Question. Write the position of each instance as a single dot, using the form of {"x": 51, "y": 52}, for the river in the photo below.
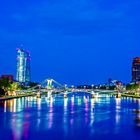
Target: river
{"x": 77, "y": 117}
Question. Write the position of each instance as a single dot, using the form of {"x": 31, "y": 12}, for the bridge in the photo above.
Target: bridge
{"x": 50, "y": 86}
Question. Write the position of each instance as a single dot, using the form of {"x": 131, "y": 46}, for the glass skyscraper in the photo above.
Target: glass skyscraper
{"x": 23, "y": 66}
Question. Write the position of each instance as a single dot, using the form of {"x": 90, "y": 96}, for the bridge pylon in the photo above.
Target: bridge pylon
{"x": 49, "y": 84}
{"x": 93, "y": 95}
{"x": 65, "y": 94}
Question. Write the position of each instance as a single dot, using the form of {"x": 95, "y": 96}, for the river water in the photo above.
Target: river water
{"x": 77, "y": 117}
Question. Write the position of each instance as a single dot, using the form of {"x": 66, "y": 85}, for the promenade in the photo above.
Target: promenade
{"x": 13, "y": 97}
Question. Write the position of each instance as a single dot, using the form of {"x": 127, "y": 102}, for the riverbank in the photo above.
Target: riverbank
{"x": 3, "y": 98}
{"x": 19, "y": 96}
{"x": 130, "y": 95}
{"x": 13, "y": 97}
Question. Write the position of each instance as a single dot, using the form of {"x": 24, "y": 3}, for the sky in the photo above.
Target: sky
{"x": 71, "y": 41}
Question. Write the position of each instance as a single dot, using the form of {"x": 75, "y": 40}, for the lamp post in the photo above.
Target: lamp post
{"x": 92, "y": 86}
{"x": 72, "y": 86}
{"x": 65, "y": 86}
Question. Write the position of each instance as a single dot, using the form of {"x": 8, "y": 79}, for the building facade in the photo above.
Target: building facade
{"x": 23, "y": 66}
{"x": 136, "y": 69}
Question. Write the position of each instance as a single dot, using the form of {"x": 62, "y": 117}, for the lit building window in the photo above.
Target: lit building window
{"x": 23, "y": 66}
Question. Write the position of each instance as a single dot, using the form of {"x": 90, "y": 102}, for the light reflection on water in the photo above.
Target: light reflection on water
{"x": 72, "y": 117}
{"x": 118, "y": 107}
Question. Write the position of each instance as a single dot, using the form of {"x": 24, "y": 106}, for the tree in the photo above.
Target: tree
{"x": 33, "y": 84}
{"x": 5, "y": 84}
{"x": 9, "y": 87}
{"x": 2, "y": 92}
{"x": 132, "y": 86}
{"x": 13, "y": 87}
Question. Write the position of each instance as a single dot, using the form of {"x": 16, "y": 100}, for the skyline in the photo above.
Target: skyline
{"x": 74, "y": 42}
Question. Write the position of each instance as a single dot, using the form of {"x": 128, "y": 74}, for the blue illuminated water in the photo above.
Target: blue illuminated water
{"x": 75, "y": 118}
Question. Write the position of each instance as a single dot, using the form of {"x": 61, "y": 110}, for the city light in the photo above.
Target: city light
{"x": 85, "y": 70}
{"x": 23, "y": 66}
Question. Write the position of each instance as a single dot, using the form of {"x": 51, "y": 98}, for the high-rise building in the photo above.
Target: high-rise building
{"x": 23, "y": 66}
{"x": 136, "y": 69}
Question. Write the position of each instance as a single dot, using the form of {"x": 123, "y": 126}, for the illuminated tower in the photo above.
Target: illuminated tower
{"x": 136, "y": 69}
{"x": 23, "y": 66}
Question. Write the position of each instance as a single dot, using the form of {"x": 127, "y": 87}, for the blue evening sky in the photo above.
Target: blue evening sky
{"x": 72, "y": 41}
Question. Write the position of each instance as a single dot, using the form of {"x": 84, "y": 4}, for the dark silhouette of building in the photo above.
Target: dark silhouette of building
{"x": 136, "y": 69}
{"x": 10, "y": 77}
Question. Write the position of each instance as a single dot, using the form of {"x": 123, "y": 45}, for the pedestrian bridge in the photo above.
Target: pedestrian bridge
{"x": 50, "y": 86}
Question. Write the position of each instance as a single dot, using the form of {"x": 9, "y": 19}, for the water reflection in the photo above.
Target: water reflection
{"x": 79, "y": 101}
{"x": 92, "y": 112}
{"x": 65, "y": 105}
{"x": 5, "y": 106}
{"x": 39, "y": 103}
{"x": 118, "y": 107}
{"x": 72, "y": 105}
{"x": 50, "y": 115}
{"x": 136, "y": 111}
{"x": 15, "y": 105}
{"x": 69, "y": 117}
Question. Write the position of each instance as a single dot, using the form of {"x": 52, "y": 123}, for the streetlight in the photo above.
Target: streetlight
{"x": 65, "y": 85}
{"x": 72, "y": 86}
{"x": 92, "y": 86}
